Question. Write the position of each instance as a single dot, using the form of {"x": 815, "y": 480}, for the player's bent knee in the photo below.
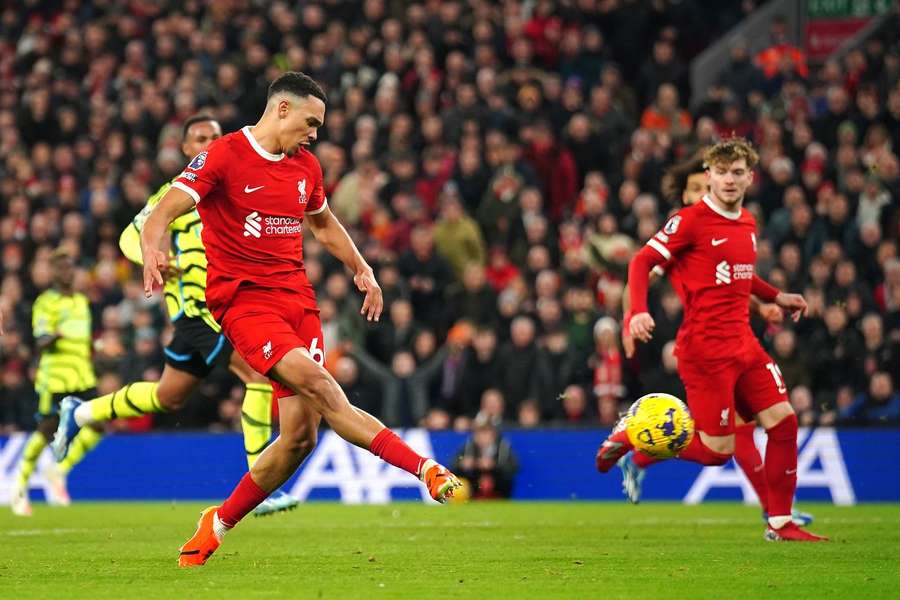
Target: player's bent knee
{"x": 775, "y": 414}
{"x": 785, "y": 430}
{"x": 300, "y": 442}
{"x": 170, "y": 400}
{"x": 722, "y": 445}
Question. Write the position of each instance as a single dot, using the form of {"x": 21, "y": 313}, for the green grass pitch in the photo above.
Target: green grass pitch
{"x": 477, "y": 550}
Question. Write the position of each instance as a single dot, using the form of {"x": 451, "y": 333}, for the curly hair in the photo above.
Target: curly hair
{"x": 730, "y": 150}
{"x": 676, "y": 177}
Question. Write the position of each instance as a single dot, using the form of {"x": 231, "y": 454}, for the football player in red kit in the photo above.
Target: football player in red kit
{"x": 688, "y": 185}
{"x": 254, "y": 189}
{"x": 710, "y": 248}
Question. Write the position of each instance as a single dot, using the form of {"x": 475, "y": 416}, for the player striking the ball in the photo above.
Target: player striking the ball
{"x": 253, "y": 189}
{"x": 711, "y": 249}
{"x": 197, "y": 346}
{"x": 688, "y": 185}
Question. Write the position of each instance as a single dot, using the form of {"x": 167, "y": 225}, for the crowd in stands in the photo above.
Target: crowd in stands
{"x": 497, "y": 162}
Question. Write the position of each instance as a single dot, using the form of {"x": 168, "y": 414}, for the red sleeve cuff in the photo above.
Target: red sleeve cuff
{"x": 764, "y": 290}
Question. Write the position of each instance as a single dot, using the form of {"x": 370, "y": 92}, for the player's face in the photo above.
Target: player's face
{"x": 695, "y": 189}
{"x": 300, "y": 119}
{"x": 200, "y": 136}
{"x": 63, "y": 272}
{"x": 729, "y": 182}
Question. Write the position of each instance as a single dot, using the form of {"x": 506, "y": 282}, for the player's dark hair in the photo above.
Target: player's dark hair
{"x": 676, "y": 177}
{"x": 298, "y": 84}
{"x": 201, "y": 118}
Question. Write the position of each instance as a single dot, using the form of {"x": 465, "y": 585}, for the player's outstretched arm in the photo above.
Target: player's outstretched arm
{"x": 331, "y": 234}
{"x": 770, "y": 312}
{"x": 175, "y": 203}
{"x": 641, "y": 323}
{"x": 794, "y": 303}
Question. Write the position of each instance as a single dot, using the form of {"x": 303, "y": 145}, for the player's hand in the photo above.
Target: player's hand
{"x": 373, "y": 303}
{"x": 642, "y": 327}
{"x": 155, "y": 261}
{"x": 771, "y": 313}
{"x": 793, "y": 303}
{"x": 627, "y": 341}
{"x": 171, "y": 271}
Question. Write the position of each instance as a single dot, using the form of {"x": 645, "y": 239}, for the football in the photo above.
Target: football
{"x": 659, "y": 425}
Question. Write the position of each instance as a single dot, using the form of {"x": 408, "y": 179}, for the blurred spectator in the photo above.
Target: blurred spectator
{"x": 487, "y": 462}
{"x": 457, "y": 236}
{"x": 881, "y": 404}
{"x": 517, "y": 364}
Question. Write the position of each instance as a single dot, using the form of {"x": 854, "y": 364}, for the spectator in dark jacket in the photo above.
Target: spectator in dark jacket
{"x": 880, "y": 405}
{"x": 487, "y": 462}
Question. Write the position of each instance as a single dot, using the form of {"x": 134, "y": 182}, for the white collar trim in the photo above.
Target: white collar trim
{"x": 728, "y": 214}
{"x": 259, "y": 149}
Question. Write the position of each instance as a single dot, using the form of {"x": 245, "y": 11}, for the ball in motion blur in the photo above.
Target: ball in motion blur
{"x": 659, "y": 425}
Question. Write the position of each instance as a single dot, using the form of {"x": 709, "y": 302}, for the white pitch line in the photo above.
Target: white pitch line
{"x": 33, "y": 532}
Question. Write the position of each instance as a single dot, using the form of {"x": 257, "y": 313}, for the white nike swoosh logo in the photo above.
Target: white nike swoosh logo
{"x": 790, "y": 471}
{"x": 250, "y": 190}
{"x": 716, "y": 242}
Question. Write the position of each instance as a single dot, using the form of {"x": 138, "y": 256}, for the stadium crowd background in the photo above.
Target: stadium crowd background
{"x": 497, "y": 162}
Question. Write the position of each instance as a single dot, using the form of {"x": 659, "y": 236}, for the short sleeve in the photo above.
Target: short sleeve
{"x": 317, "y": 200}
{"x": 205, "y": 171}
{"x": 142, "y": 216}
{"x": 43, "y": 318}
{"x": 674, "y": 237}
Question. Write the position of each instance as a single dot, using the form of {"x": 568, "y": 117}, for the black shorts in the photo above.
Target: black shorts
{"x": 196, "y": 348}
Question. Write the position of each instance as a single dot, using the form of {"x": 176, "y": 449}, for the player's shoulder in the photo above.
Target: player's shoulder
{"x": 305, "y": 156}
{"x": 46, "y": 298}
{"x": 681, "y": 220}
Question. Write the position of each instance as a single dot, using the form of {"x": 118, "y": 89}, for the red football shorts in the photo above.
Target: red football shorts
{"x": 265, "y": 324}
{"x": 749, "y": 382}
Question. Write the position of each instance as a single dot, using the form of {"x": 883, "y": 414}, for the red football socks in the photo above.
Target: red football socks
{"x": 388, "y": 446}
{"x": 245, "y": 497}
{"x": 781, "y": 466}
{"x": 746, "y": 455}
{"x": 643, "y": 461}
{"x": 697, "y": 452}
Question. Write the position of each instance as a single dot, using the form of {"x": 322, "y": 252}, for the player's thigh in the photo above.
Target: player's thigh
{"x": 761, "y": 391}
{"x": 260, "y": 337}
{"x": 710, "y": 396}
{"x": 243, "y": 371}
{"x": 308, "y": 328}
{"x": 298, "y": 422}
{"x": 174, "y": 386}
{"x": 297, "y": 371}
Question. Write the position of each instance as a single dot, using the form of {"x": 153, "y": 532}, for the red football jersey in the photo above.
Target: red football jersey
{"x": 252, "y": 203}
{"x": 710, "y": 255}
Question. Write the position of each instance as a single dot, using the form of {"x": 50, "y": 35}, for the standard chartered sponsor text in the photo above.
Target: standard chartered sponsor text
{"x": 282, "y": 225}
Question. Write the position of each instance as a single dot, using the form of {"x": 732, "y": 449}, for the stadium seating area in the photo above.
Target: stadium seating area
{"x": 498, "y": 162}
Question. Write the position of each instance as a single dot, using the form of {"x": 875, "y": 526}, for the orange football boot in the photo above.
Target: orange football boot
{"x": 197, "y": 550}
{"x": 440, "y": 482}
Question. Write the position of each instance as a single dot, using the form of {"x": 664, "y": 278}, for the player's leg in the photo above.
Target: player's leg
{"x": 256, "y": 424}
{"x": 189, "y": 358}
{"x": 711, "y": 401}
{"x": 298, "y": 371}
{"x": 37, "y": 441}
{"x": 299, "y": 425}
{"x": 747, "y": 457}
{"x": 132, "y": 400}
{"x": 292, "y": 354}
{"x": 256, "y": 410}
{"x": 762, "y": 389}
